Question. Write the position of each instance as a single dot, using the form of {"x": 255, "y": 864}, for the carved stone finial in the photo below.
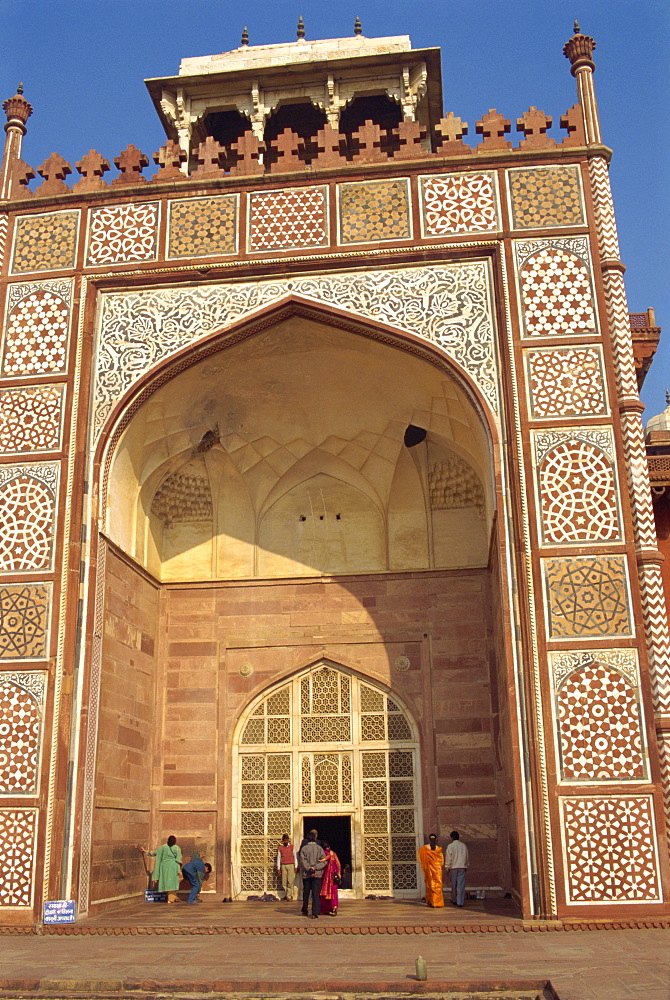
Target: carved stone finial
{"x": 358, "y": 27}
{"x": 245, "y": 35}
{"x": 579, "y": 50}
{"x": 301, "y": 28}
{"x": 577, "y": 30}
{"x": 16, "y": 108}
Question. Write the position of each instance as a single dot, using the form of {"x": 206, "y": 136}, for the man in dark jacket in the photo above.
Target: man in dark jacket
{"x": 312, "y": 862}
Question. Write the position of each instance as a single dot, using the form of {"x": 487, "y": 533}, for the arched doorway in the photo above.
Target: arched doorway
{"x": 340, "y": 753}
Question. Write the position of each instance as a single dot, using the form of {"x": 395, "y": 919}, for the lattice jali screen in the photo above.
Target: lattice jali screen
{"x": 381, "y": 718}
{"x": 265, "y": 814}
{"x": 327, "y": 743}
{"x": 326, "y": 778}
{"x": 325, "y": 707}
{"x": 389, "y": 825}
{"x": 271, "y": 721}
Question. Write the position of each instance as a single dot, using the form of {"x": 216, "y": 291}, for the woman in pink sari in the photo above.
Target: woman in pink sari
{"x": 330, "y": 881}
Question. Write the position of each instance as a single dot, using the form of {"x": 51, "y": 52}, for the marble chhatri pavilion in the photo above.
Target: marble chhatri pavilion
{"x": 324, "y": 494}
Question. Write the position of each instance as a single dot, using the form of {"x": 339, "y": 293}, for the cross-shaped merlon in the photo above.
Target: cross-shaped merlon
{"x": 131, "y": 162}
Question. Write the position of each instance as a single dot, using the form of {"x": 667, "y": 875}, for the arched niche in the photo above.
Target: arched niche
{"x": 301, "y": 420}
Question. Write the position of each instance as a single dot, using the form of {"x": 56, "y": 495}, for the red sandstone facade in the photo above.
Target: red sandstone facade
{"x": 324, "y": 494}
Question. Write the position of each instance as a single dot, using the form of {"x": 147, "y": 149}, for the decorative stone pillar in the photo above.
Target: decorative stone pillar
{"x": 177, "y": 107}
{"x": 579, "y": 51}
{"x": 18, "y": 112}
{"x": 649, "y": 559}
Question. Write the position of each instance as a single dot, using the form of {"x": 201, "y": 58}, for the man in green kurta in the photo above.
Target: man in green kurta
{"x": 167, "y": 869}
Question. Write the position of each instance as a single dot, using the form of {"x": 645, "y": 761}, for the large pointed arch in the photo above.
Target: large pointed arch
{"x": 292, "y": 305}
{"x": 398, "y": 393}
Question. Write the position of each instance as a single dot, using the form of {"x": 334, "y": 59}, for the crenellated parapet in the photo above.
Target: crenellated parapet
{"x": 328, "y": 148}
{"x": 310, "y": 105}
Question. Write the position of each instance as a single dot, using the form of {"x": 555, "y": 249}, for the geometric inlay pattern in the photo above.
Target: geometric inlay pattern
{"x": 21, "y": 699}
{"x": 546, "y": 196}
{"x": 293, "y": 217}
{"x": 610, "y": 849}
{"x": 36, "y": 332}
{"x": 587, "y": 596}
{"x": 18, "y": 828}
{"x": 122, "y": 233}
{"x": 453, "y": 484}
{"x": 459, "y": 203}
{"x": 445, "y": 304}
{"x": 27, "y": 512}
{"x": 30, "y": 418}
{"x": 24, "y": 620}
{"x": 598, "y": 711}
{"x": 565, "y": 382}
{"x": 45, "y": 242}
{"x": 202, "y": 226}
{"x": 374, "y": 210}
{"x": 555, "y": 280}
{"x": 577, "y": 487}
{"x": 4, "y": 226}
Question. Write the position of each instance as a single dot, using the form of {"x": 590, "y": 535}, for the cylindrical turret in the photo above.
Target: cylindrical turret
{"x": 18, "y": 112}
{"x": 579, "y": 50}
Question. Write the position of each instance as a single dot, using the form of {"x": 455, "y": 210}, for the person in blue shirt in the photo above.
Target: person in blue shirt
{"x": 194, "y": 871}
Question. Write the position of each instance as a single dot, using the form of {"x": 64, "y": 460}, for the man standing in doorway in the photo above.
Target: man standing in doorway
{"x": 312, "y": 862}
{"x": 456, "y": 863}
{"x": 287, "y": 864}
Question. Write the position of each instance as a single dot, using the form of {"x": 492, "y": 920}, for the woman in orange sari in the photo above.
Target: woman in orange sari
{"x": 431, "y": 860}
{"x": 330, "y": 881}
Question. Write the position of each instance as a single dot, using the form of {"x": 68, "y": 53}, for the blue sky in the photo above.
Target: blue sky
{"x": 83, "y": 66}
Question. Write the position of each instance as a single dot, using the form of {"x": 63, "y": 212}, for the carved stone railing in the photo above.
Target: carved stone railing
{"x": 289, "y": 152}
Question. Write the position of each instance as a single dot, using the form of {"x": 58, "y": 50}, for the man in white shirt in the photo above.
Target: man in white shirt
{"x": 456, "y": 862}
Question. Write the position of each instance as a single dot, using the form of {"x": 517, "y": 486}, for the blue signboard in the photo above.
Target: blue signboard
{"x": 153, "y": 896}
{"x": 59, "y": 911}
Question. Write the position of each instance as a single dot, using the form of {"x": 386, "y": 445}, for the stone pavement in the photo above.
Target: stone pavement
{"x": 619, "y": 964}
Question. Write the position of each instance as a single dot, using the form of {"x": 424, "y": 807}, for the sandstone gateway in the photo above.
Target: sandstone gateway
{"x": 324, "y": 495}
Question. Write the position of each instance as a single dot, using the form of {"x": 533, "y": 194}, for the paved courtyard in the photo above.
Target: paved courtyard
{"x": 268, "y": 947}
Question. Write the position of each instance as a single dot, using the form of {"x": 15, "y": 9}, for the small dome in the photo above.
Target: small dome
{"x": 661, "y": 422}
